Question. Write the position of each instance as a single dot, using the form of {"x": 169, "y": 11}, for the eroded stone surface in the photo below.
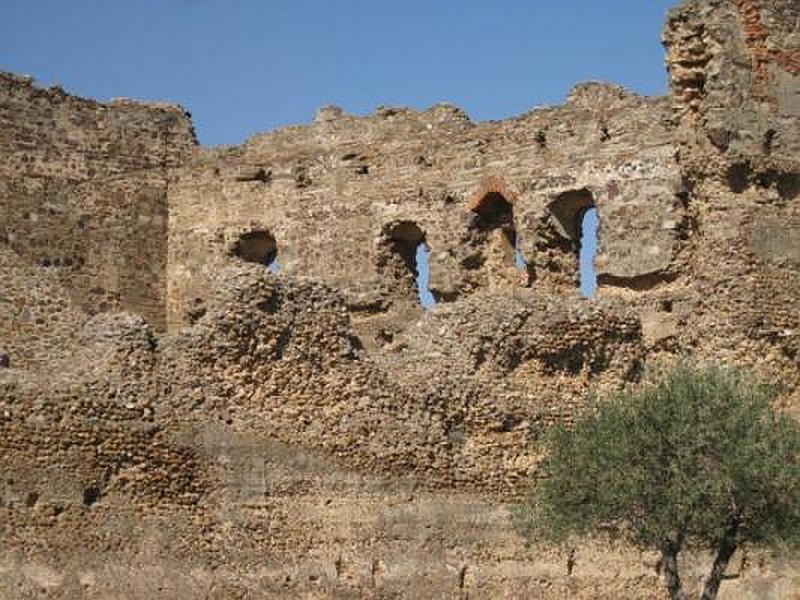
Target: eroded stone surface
{"x": 177, "y": 420}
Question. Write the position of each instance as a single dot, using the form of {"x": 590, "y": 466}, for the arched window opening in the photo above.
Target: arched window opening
{"x": 405, "y": 259}
{"x": 494, "y": 211}
{"x": 258, "y": 247}
{"x": 495, "y": 221}
{"x": 587, "y": 252}
{"x": 575, "y": 218}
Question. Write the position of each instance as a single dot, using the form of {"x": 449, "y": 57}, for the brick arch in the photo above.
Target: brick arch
{"x": 493, "y": 252}
{"x": 492, "y": 185}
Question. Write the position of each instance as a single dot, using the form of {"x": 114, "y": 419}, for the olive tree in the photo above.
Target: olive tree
{"x": 696, "y": 458}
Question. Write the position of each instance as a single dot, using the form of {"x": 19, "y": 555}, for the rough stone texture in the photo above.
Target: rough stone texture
{"x": 398, "y": 178}
{"x": 180, "y": 421}
{"x": 37, "y": 318}
{"x": 736, "y": 97}
{"x": 83, "y": 193}
{"x": 449, "y": 401}
{"x": 734, "y": 67}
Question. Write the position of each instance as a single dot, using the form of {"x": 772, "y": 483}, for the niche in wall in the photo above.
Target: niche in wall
{"x": 258, "y": 246}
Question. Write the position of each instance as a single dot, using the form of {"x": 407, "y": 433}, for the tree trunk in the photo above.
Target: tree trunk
{"x": 726, "y": 549}
{"x": 669, "y": 563}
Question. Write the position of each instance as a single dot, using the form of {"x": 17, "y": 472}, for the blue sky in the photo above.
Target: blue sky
{"x": 242, "y": 66}
{"x": 245, "y": 66}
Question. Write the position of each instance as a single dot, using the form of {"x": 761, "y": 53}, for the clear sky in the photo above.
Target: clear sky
{"x": 245, "y": 66}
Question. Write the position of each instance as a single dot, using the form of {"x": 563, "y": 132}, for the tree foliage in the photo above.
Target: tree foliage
{"x": 696, "y": 457}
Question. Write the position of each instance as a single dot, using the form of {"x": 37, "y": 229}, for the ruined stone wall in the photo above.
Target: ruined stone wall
{"x": 261, "y": 451}
{"x": 83, "y": 198}
{"x": 734, "y": 67}
{"x": 346, "y": 200}
{"x": 735, "y": 82}
{"x": 314, "y": 433}
{"x": 37, "y": 317}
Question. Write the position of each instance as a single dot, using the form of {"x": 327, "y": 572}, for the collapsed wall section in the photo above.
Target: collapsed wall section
{"x": 83, "y": 195}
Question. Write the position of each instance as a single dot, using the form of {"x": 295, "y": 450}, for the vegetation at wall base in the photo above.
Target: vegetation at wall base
{"x": 694, "y": 458}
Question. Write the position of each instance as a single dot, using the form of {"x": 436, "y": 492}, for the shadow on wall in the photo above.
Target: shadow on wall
{"x": 495, "y": 222}
{"x": 258, "y": 247}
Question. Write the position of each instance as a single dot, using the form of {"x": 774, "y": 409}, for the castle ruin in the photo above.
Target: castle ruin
{"x": 216, "y": 376}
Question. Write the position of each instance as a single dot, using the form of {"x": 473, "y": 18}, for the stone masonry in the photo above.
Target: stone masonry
{"x": 216, "y": 377}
